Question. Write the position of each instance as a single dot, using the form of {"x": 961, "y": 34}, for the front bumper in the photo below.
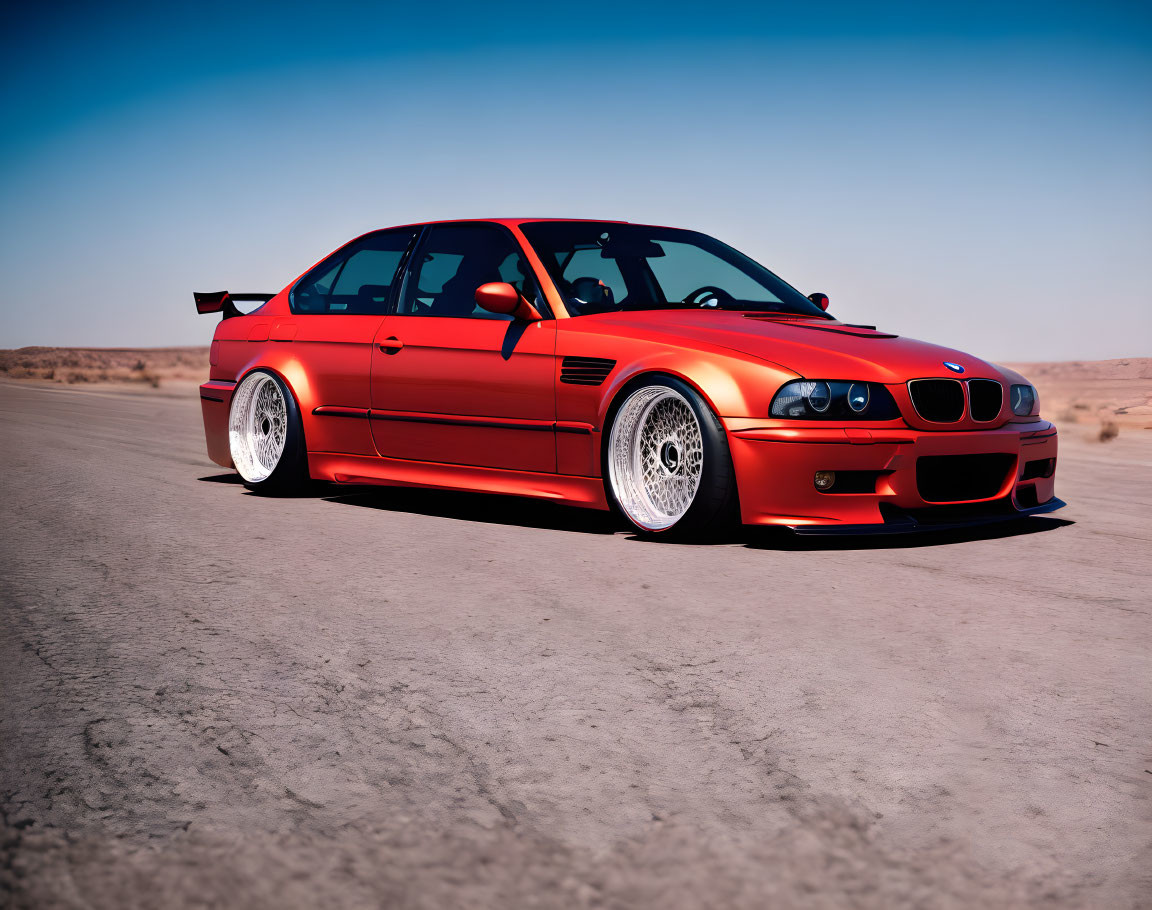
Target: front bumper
{"x": 775, "y": 465}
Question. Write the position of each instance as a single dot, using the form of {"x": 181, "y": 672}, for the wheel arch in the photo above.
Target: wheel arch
{"x": 620, "y": 393}
{"x": 620, "y": 390}
{"x": 290, "y": 371}
{"x": 285, "y": 377}
{"x": 719, "y": 384}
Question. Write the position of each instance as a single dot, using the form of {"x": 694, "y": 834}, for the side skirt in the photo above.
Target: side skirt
{"x": 586, "y": 492}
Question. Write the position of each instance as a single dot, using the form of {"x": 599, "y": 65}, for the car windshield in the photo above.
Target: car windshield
{"x": 601, "y": 267}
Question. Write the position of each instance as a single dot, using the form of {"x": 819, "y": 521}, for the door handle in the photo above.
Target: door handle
{"x": 391, "y": 345}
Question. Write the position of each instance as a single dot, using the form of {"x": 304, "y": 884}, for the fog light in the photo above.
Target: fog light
{"x": 824, "y": 480}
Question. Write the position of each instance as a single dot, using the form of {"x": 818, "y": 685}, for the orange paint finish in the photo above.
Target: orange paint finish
{"x": 488, "y": 404}
{"x": 488, "y": 369}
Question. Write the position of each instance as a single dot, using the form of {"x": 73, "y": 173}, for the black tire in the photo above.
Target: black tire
{"x": 714, "y": 507}
{"x": 289, "y": 476}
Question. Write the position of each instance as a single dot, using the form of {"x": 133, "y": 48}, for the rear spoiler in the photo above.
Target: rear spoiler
{"x": 224, "y": 302}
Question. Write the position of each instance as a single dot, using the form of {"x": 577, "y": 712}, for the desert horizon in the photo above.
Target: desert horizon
{"x": 1102, "y": 396}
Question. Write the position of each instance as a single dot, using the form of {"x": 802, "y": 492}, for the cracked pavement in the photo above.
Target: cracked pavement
{"x": 420, "y": 700}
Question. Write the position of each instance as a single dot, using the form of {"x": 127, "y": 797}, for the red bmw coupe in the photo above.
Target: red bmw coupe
{"x": 650, "y": 370}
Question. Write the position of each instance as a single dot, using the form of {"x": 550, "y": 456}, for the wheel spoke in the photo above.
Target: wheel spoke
{"x": 656, "y": 457}
{"x": 257, "y": 427}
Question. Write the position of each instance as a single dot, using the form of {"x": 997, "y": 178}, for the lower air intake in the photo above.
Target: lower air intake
{"x": 962, "y": 478}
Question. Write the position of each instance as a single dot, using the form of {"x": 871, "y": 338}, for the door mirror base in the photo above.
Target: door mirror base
{"x": 821, "y": 300}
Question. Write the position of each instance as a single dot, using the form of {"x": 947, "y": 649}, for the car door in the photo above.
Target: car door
{"x": 453, "y": 383}
{"x": 337, "y": 308}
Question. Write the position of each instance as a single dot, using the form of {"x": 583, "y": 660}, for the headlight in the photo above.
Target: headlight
{"x": 818, "y": 399}
{"x": 1023, "y": 400}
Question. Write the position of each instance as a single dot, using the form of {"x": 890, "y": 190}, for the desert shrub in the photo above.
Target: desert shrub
{"x": 140, "y": 366}
{"x": 1109, "y": 430}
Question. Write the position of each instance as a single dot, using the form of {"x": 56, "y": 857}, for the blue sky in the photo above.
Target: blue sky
{"x": 975, "y": 174}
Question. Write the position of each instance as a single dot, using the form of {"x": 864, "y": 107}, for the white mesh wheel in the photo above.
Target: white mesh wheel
{"x": 257, "y": 427}
{"x": 655, "y": 457}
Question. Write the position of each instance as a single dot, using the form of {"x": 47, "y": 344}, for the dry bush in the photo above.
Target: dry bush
{"x": 133, "y": 365}
{"x": 1109, "y": 430}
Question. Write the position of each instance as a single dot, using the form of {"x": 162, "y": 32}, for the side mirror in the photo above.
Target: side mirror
{"x": 501, "y": 297}
{"x": 821, "y": 300}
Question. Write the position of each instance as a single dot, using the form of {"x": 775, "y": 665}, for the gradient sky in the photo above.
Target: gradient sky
{"x": 974, "y": 174}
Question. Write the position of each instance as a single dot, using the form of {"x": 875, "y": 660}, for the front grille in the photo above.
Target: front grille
{"x": 585, "y": 370}
{"x": 985, "y": 398}
{"x": 962, "y": 478}
{"x": 937, "y": 400}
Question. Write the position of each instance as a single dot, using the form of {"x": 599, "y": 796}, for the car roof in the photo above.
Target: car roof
{"x": 509, "y": 222}
{"x": 506, "y": 221}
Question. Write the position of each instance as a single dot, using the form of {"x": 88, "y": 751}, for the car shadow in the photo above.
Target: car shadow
{"x": 492, "y": 508}
{"x": 487, "y": 508}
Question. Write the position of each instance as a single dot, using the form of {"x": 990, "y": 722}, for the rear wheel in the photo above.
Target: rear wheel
{"x": 265, "y": 435}
{"x": 668, "y": 468}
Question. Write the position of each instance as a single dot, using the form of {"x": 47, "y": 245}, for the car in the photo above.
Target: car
{"x": 652, "y": 371}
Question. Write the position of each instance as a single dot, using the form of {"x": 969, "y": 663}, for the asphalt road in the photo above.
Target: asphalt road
{"x": 412, "y": 699}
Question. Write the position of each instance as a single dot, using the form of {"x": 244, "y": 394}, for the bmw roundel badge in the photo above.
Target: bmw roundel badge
{"x": 954, "y": 367}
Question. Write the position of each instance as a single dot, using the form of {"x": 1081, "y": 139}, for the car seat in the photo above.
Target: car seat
{"x": 458, "y": 297}
{"x": 592, "y": 292}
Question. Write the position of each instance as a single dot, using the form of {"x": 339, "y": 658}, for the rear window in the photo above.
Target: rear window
{"x": 357, "y": 279}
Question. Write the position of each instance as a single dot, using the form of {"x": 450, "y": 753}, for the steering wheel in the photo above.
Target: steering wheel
{"x": 701, "y": 296}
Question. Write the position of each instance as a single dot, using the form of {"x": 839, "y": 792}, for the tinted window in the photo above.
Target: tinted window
{"x": 601, "y": 267}
{"x": 454, "y": 260}
{"x": 585, "y": 268}
{"x": 357, "y": 279}
{"x": 685, "y": 267}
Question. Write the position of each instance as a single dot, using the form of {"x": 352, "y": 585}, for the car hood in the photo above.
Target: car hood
{"x": 813, "y": 348}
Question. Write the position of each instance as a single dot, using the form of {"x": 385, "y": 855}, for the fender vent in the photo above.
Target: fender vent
{"x": 585, "y": 370}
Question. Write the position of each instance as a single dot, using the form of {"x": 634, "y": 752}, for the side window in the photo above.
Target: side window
{"x": 356, "y": 280}
{"x": 456, "y": 259}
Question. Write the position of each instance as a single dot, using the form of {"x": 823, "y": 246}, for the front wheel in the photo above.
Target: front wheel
{"x": 265, "y": 436}
{"x": 667, "y": 462}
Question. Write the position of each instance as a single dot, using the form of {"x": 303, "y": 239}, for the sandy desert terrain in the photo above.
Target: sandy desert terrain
{"x": 419, "y": 700}
{"x": 71, "y": 366}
